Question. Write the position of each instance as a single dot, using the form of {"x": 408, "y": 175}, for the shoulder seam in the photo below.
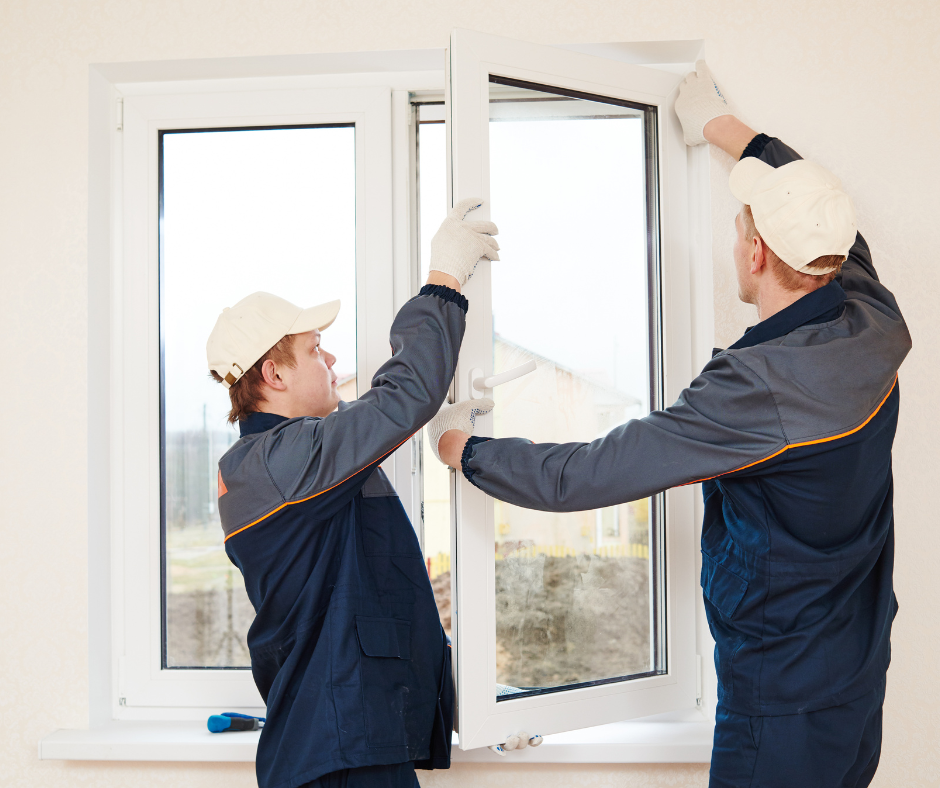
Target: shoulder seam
{"x": 267, "y": 470}
{"x": 769, "y": 391}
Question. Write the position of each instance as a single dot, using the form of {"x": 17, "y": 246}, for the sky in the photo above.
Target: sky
{"x": 568, "y": 197}
{"x": 274, "y": 210}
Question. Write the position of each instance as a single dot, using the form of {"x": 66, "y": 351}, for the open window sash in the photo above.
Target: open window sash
{"x": 669, "y": 683}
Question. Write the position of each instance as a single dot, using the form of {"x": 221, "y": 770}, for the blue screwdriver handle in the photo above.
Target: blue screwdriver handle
{"x": 231, "y": 721}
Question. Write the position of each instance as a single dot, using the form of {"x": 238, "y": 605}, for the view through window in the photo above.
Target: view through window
{"x": 577, "y": 595}
{"x": 242, "y": 210}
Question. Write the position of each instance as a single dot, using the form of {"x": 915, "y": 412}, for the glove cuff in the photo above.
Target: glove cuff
{"x": 454, "y": 268}
{"x": 452, "y": 418}
{"x": 697, "y": 116}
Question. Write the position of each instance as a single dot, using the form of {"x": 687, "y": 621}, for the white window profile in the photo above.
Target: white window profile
{"x": 476, "y": 60}
{"x": 144, "y": 681}
{"x": 127, "y": 676}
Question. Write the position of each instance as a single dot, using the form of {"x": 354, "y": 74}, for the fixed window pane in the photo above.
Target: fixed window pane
{"x": 436, "y": 480}
{"x": 577, "y": 596}
{"x": 242, "y": 210}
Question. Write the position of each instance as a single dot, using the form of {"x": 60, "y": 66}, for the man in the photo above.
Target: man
{"x": 789, "y": 431}
{"x": 346, "y": 648}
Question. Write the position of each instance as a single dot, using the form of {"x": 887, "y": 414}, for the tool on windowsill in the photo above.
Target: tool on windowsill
{"x": 230, "y": 721}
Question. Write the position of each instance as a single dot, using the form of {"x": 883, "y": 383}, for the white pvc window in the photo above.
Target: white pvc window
{"x": 582, "y": 618}
{"x": 225, "y": 194}
{"x": 175, "y": 264}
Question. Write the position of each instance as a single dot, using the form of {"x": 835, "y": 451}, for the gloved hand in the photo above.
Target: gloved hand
{"x": 517, "y": 742}
{"x": 458, "y": 245}
{"x": 699, "y": 101}
{"x": 459, "y": 416}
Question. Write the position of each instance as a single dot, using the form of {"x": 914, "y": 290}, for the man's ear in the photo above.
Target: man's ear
{"x": 271, "y": 376}
{"x": 758, "y": 255}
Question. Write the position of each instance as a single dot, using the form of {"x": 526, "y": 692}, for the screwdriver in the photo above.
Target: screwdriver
{"x": 230, "y": 721}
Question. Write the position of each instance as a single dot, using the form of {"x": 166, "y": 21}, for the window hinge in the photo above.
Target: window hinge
{"x": 698, "y": 680}
{"x": 119, "y": 114}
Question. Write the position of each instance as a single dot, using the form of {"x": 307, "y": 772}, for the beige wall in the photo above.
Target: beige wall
{"x": 853, "y": 85}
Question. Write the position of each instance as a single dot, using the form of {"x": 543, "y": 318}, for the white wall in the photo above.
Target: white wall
{"x": 852, "y": 85}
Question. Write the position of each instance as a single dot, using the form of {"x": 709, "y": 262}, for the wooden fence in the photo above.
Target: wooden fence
{"x": 440, "y": 563}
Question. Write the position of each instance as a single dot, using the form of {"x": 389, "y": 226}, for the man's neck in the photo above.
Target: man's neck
{"x": 776, "y": 299}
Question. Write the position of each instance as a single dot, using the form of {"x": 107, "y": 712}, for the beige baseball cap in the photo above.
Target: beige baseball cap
{"x": 245, "y": 332}
{"x": 799, "y": 209}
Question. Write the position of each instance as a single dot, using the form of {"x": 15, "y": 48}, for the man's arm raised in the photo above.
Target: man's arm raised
{"x": 408, "y": 389}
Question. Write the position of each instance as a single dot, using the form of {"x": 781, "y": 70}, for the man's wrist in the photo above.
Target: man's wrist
{"x": 440, "y": 278}
{"x": 450, "y": 447}
{"x": 729, "y": 134}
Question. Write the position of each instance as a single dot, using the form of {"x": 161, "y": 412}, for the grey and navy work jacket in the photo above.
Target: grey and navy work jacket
{"x": 789, "y": 431}
{"x": 347, "y": 648}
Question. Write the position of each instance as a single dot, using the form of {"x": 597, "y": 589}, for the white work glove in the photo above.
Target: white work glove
{"x": 699, "y": 101}
{"x": 459, "y": 416}
{"x": 458, "y": 245}
{"x": 519, "y": 741}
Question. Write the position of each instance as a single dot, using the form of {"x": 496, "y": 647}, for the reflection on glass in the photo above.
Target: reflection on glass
{"x": 243, "y": 211}
{"x": 568, "y": 190}
{"x": 432, "y": 205}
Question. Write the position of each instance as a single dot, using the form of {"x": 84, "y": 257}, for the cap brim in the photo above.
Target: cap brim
{"x": 316, "y": 318}
{"x": 744, "y": 177}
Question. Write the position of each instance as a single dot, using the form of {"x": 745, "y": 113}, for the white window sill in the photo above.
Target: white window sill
{"x": 622, "y": 742}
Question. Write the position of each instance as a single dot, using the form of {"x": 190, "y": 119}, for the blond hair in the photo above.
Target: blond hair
{"x": 788, "y": 277}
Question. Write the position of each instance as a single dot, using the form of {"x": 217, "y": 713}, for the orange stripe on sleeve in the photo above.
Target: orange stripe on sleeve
{"x": 309, "y": 497}
{"x": 804, "y": 443}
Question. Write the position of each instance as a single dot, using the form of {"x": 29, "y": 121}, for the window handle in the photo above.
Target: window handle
{"x": 478, "y": 384}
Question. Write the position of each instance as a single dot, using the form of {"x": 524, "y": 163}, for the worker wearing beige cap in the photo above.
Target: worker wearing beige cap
{"x": 789, "y": 431}
{"x": 347, "y": 649}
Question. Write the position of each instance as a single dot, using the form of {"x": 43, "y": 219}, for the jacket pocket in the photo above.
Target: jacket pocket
{"x": 386, "y": 678}
{"x": 722, "y": 587}
{"x": 384, "y": 637}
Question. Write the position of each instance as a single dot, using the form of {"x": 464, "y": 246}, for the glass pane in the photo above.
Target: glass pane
{"x": 243, "y": 210}
{"x": 432, "y": 208}
{"x": 568, "y": 188}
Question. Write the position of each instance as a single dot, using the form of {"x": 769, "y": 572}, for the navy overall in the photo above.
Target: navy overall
{"x": 347, "y": 649}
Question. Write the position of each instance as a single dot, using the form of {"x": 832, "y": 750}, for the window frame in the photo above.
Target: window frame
{"x": 406, "y": 74}
{"x": 138, "y": 621}
{"x": 484, "y": 721}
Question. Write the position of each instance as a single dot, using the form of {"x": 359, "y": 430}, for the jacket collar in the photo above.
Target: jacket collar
{"x": 259, "y": 422}
{"x": 820, "y": 306}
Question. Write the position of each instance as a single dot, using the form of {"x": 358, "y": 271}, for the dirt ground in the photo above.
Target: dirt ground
{"x": 565, "y": 620}
{"x": 559, "y": 620}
